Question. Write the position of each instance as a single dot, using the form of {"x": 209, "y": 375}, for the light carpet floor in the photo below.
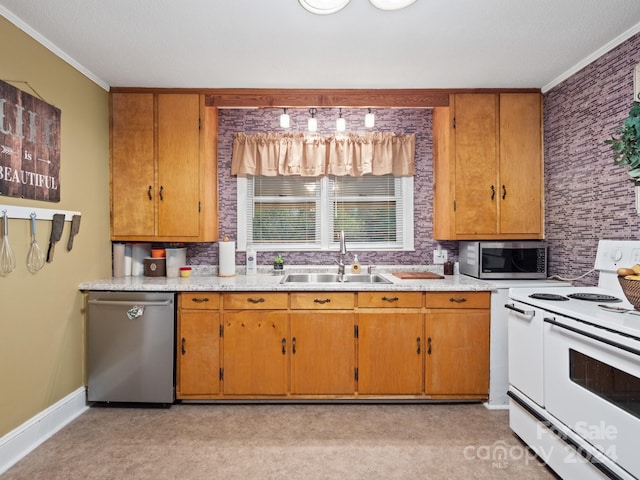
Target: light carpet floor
{"x": 285, "y": 441}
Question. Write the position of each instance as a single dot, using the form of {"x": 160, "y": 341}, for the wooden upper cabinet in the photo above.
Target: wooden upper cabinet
{"x": 476, "y": 166}
{"x": 178, "y": 165}
{"x": 163, "y": 167}
{"x": 132, "y": 165}
{"x": 488, "y": 167}
{"x": 521, "y": 166}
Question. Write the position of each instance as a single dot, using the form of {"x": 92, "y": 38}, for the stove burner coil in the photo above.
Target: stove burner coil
{"x": 548, "y": 296}
{"x": 594, "y": 297}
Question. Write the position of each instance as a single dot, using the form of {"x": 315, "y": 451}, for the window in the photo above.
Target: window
{"x": 308, "y": 213}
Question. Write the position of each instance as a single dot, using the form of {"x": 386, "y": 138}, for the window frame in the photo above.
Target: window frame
{"x": 405, "y": 228}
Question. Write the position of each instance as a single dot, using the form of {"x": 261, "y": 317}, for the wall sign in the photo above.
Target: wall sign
{"x": 29, "y": 146}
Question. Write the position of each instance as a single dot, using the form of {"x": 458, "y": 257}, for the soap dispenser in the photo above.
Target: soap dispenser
{"x": 355, "y": 266}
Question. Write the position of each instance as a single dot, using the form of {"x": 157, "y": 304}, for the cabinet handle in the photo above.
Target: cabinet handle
{"x": 161, "y": 190}
{"x": 457, "y": 300}
{"x": 322, "y": 301}
{"x": 293, "y": 345}
{"x": 493, "y": 192}
{"x": 504, "y": 192}
{"x": 429, "y": 345}
{"x": 255, "y": 300}
{"x": 284, "y": 344}
{"x": 200, "y": 300}
{"x": 182, "y": 350}
{"x": 149, "y": 192}
{"x": 419, "y": 349}
{"x": 390, "y": 299}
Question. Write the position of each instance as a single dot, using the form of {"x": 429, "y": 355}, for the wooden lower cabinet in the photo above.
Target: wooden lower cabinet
{"x": 198, "y": 346}
{"x": 337, "y": 344}
{"x": 390, "y": 353}
{"x": 457, "y": 361}
{"x": 322, "y": 353}
{"x": 255, "y": 343}
{"x": 457, "y": 344}
{"x": 255, "y": 352}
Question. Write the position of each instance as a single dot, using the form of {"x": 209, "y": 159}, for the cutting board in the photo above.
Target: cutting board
{"x": 417, "y": 275}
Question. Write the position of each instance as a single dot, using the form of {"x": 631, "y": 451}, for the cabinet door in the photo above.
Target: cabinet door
{"x": 198, "y": 353}
{"x": 390, "y": 353}
{"x": 132, "y": 165}
{"x": 521, "y": 170}
{"x": 322, "y": 353}
{"x": 255, "y": 352}
{"x": 178, "y": 165}
{"x": 457, "y": 353}
{"x": 476, "y": 164}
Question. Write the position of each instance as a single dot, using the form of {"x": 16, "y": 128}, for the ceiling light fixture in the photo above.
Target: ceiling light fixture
{"x": 391, "y": 4}
{"x": 312, "y": 124}
{"x": 323, "y": 7}
{"x": 369, "y": 120}
{"x": 341, "y": 123}
{"x": 327, "y": 7}
{"x": 285, "y": 121}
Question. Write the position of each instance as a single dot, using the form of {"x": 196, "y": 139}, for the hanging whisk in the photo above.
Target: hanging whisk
{"x": 7, "y": 258}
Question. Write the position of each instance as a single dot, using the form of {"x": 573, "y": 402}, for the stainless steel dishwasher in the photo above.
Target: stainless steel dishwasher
{"x": 130, "y": 345}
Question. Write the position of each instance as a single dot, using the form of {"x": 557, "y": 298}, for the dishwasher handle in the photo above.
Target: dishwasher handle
{"x": 131, "y": 303}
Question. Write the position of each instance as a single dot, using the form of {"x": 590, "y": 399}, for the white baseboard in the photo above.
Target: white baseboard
{"x": 19, "y": 442}
{"x": 494, "y": 406}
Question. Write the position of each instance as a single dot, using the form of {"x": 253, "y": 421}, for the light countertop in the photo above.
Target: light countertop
{"x": 205, "y": 279}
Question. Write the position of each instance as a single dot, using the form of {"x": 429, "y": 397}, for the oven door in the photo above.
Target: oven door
{"x": 524, "y": 331}
{"x": 592, "y": 385}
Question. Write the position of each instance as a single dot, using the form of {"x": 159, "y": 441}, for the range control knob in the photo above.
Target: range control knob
{"x": 616, "y": 255}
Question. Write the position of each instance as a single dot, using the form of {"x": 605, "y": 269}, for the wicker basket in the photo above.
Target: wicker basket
{"x": 631, "y": 290}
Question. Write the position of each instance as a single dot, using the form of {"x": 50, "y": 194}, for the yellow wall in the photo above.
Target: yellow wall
{"x": 41, "y": 317}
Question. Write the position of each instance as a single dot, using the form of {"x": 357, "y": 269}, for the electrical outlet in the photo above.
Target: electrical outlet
{"x": 635, "y": 255}
{"x": 440, "y": 256}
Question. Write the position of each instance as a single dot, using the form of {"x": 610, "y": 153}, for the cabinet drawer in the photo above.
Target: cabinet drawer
{"x": 389, "y": 299}
{"x": 200, "y": 301}
{"x": 322, "y": 301}
{"x": 458, "y": 300}
{"x": 255, "y": 301}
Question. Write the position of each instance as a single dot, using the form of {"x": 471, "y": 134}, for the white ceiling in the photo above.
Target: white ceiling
{"x": 277, "y": 44}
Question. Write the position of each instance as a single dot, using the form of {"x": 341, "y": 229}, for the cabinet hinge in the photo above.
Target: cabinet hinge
{"x": 454, "y": 122}
{"x": 222, "y": 374}
{"x": 221, "y": 330}
{"x": 355, "y": 374}
{"x": 199, "y": 123}
{"x": 454, "y": 205}
{"x": 355, "y": 331}
{"x": 199, "y": 207}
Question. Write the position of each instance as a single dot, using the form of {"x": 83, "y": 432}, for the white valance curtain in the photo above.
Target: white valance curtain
{"x": 272, "y": 154}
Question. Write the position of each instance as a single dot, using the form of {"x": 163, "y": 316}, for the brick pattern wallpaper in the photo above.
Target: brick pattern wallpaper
{"x": 416, "y": 121}
{"x": 587, "y": 197}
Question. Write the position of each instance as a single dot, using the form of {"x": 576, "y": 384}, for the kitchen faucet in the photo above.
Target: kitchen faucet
{"x": 340, "y": 261}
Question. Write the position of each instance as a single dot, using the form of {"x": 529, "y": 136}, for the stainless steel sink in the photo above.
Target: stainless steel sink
{"x": 333, "y": 278}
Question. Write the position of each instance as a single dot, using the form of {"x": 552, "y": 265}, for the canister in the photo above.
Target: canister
{"x": 154, "y": 267}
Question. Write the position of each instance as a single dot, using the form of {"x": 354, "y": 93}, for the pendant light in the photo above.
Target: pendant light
{"x": 369, "y": 120}
{"x": 285, "y": 121}
{"x": 341, "y": 123}
{"x": 312, "y": 123}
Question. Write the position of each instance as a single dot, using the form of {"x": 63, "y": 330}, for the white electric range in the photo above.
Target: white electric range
{"x": 574, "y": 371}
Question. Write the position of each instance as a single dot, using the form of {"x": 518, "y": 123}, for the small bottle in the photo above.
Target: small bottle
{"x": 355, "y": 266}
{"x": 252, "y": 261}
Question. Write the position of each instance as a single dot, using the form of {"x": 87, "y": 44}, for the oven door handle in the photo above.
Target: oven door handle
{"x": 597, "y": 338}
{"x": 511, "y": 306}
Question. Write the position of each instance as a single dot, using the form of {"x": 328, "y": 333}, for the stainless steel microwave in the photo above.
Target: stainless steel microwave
{"x": 504, "y": 260}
